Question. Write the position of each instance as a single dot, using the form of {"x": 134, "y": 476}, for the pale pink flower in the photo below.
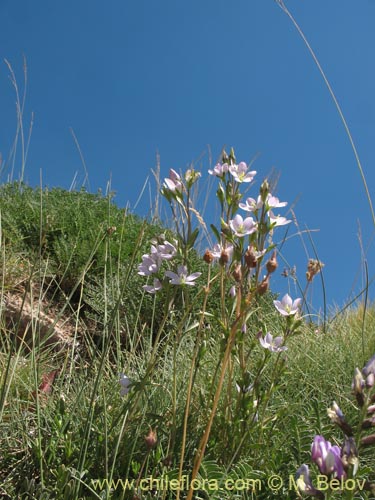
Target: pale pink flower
{"x": 240, "y": 173}
{"x": 272, "y": 344}
{"x": 181, "y": 277}
{"x": 278, "y": 220}
{"x": 153, "y": 289}
{"x": 173, "y": 183}
{"x": 219, "y": 170}
{"x": 241, "y": 227}
{"x": 287, "y": 306}
{"x": 252, "y": 205}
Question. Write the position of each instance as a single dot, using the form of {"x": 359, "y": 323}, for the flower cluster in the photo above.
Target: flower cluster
{"x": 152, "y": 262}
{"x": 333, "y": 461}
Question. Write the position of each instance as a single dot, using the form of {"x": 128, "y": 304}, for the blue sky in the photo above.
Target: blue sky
{"x": 184, "y": 79}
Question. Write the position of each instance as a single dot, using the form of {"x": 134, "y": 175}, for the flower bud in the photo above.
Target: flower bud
{"x": 349, "y": 454}
{"x": 151, "y": 439}
{"x": 224, "y": 157}
{"x": 368, "y": 423}
{"x": 337, "y": 417}
{"x": 208, "y": 257}
{"x": 263, "y": 285}
{"x": 250, "y": 257}
{"x": 368, "y": 440}
{"x": 224, "y": 257}
{"x": 264, "y": 190}
{"x": 357, "y": 387}
{"x": 237, "y": 273}
{"x": 272, "y": 264}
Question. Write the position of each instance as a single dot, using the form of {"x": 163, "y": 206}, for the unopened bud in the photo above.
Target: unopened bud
{"x": 368, "y": 422}
{"x": 263, "y": 285}
{"x": 272, "y": 264}
{"x": 237, "y": 273}
{"x": 224, "y": 157}
{"x": 349, "y": 454}
{"x": 208, "y": 257}
{"x": 224, "y": 257}
{"x": 232, "y": 156}
{"x": 151, "y": 439}
{"x": 368, "y": 440}
{"x": 264, "y": 190}
{"x": 250, "y": 257}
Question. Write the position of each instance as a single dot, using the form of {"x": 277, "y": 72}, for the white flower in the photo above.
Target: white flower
{"x": 241, "y": 227}
{"x": 272, "y": 344}
{"x": 287, "y": 307}
{"x": 181, "y": 277}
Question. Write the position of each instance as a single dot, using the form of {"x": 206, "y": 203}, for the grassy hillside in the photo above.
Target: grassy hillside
{"x": 201, "y": 395}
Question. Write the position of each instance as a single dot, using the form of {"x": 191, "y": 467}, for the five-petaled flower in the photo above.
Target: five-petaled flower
{"x": 272, "y": 344}
{"x": 241, "y": 227}
{"x": 240, "y": 173}
{"x": 287, "y": 306}
{"x": 182, "y": 277}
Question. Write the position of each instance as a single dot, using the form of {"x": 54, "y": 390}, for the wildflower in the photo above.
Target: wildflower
{"x": 358, "y": 385}
{"x": 242, "y": 227}
{"x": 277, "y": 220}
{"x": 240, "y": 173}
{"x": 173, "y": 183}
{"x": 338, "y": 418}
{"x": 327, "y": 457}
{"x": 273, "y": 345}
{"x": 181, "y": 277}
{"x": 125, "y": 383}
{"x": 349, "y": 454}
{"x": 148, "y": 266}
{"x": 153, "y": 289}
{"x": 304, "y": 482}
{"x": 224, "y": 253}
{"x": 252, "y": 205}
{"x": 287, "y": 307}
{"x": 219, "y": 170}
{"x": 273, "y": 202}
{"x": 166, "y": 251}
{"x": 369, "y": 372}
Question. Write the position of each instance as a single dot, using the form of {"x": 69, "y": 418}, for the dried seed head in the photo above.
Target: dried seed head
{"x": 313, "y": 267}
{"x": 250, "y": 257}
{"x": 263, "y": 285}
{"x": 272, "y": 264}
{"x": 224, "y": 257}
{"x": 208, "y": 257}
{"x": 237, "y": 273}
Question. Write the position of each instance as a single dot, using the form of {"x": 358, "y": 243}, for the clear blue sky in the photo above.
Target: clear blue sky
{"x": 133, "y": 77}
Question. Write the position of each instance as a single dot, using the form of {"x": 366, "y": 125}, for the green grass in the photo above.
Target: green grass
{"x": 54, "y": 444}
